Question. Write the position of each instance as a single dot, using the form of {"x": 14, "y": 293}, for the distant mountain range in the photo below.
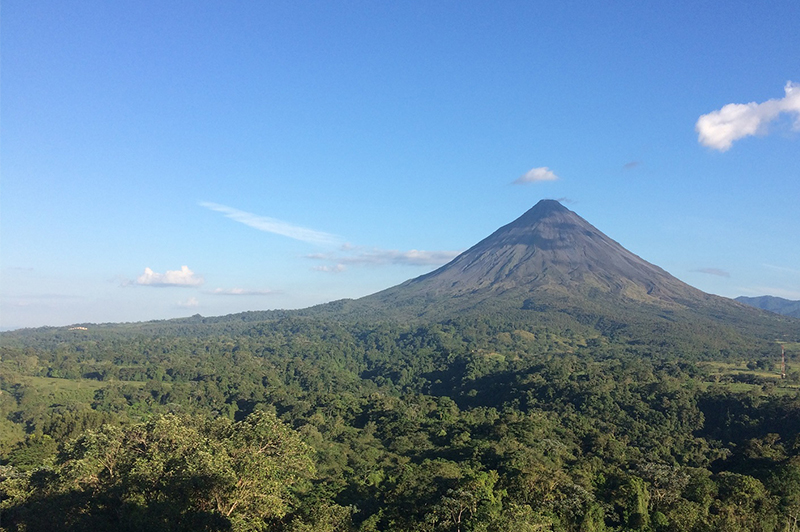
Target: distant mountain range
{"x": 779, "y": 305}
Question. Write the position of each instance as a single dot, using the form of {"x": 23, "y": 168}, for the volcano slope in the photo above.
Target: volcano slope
{"x": 552, "y": 267}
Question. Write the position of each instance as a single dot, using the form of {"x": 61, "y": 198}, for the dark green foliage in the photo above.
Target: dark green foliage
{"x": 475, "y": 422}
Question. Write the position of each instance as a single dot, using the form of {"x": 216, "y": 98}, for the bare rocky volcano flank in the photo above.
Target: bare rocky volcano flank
{"x": 547, "y": 250}
{"x": 550, "y": 266}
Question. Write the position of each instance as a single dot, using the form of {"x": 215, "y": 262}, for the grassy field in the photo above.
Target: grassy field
{"x": 738, "y": 368}
{"x": 67, "y": 390}
{"x": 719, "y": 370}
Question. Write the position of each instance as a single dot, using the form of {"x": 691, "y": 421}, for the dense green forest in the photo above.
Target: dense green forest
{"x": 288, "y": 422}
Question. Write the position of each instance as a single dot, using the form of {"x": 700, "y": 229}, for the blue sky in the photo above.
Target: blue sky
{"x": 161, "y": 159}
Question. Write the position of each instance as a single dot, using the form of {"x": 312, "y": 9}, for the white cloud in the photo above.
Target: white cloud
{"x": 719, "y": 129}
{"x": 240, "y": 292}
{"x": 534, "y": 175}
{"x": 379, "y": 257}
{"x": 182, "y": 277}
{"x": 192, "y": 302}
{"x": 331, "y": 269}
{"x": 272, "y": 225}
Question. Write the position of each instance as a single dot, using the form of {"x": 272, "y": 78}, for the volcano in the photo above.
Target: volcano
{"x": 551, "y": 261}
{"x": 552, "y": 252}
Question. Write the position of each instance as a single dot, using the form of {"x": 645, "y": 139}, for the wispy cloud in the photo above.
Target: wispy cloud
{"x": 240, "y": 292}
{"x": 631, "y": 165}
{"x": 337, "y": 261}
{"x": 782, "y": 269}
{"x": 535, "y": 175}
{"x": 182, "y": 277}
{"x": 335, "y": 268}
{"x": 713, "y": 271}
{"x": 411, "y": 258}
{"x": 41, "y": 296}
{"x": 353, "y": 255}
{"x": 273, "y": 225}
{"x": 719, "y": 129}
{"x": 192, "y": 302}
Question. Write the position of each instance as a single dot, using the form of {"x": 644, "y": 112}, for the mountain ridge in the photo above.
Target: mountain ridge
{"x": 778, "y": 305}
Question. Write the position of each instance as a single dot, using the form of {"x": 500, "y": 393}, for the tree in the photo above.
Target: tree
{"x": 170, "y": 473}
{"x": 472, "y": 503}
{"x": 637, "y": 500}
